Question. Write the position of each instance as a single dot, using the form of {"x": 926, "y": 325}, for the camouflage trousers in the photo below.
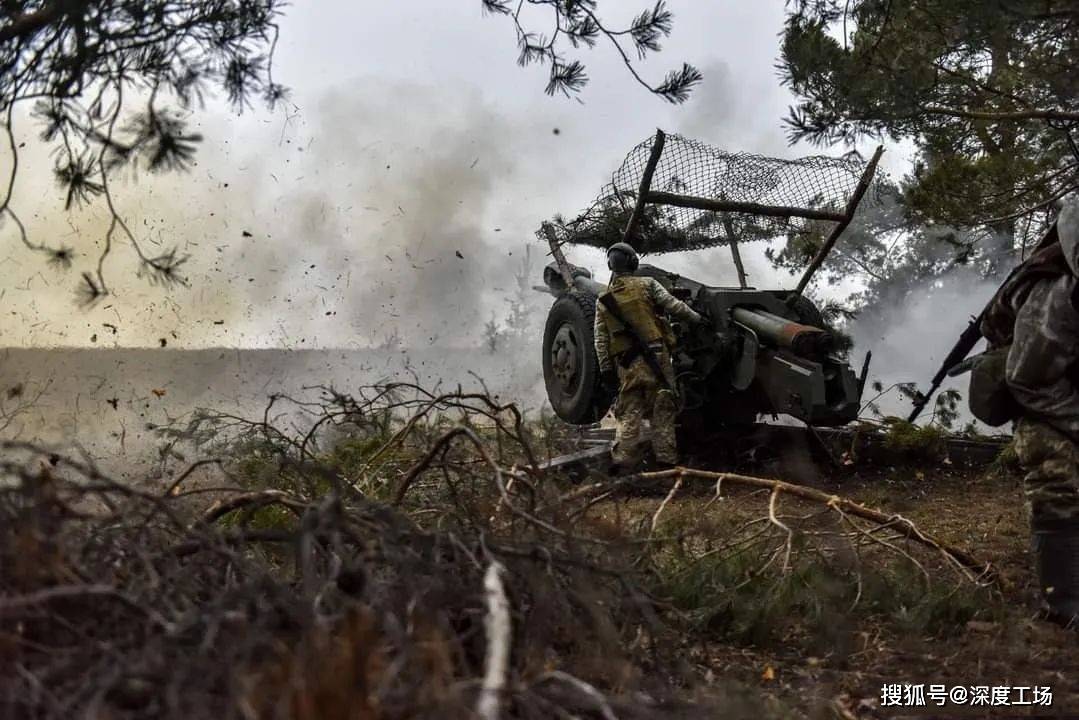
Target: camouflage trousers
{"x": 1050, "y": 463}
{"x": 641, "y": 397}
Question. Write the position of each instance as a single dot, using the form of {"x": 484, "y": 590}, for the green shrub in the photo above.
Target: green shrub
{"x": 916, "y": 442}
{"x": 1007, "y": 460}
{"x": 268, "y": 517}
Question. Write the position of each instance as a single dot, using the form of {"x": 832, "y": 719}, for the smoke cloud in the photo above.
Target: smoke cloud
{"x": 910, "y": 340}
{"x": 397, "y": 209}
{"x": 388, "y": 226}
{"x": 387, "y": 214}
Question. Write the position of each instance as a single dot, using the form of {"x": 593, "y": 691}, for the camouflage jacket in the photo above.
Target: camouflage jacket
{"x": 1043, "y": 363}
{"x": 662, "y": 302}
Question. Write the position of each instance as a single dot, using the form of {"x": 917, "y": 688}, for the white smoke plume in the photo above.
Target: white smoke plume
{"x": 395, "y": 209}
{"x": 383, "y": 231}
{"x": 910, "y": 340}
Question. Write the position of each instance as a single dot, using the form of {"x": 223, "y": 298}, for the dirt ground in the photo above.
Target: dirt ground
{"x": 982, "y": 511}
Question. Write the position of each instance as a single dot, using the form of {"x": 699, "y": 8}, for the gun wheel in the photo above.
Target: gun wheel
{"x": 567, "y": 356}
{"x": 570, "y": 369}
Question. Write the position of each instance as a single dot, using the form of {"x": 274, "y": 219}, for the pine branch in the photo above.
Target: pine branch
{"x": 76, "y": 62}
{"x": 577, "y": 23}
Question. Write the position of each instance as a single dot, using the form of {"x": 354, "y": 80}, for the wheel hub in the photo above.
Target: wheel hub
{"x": 566, "y": 357}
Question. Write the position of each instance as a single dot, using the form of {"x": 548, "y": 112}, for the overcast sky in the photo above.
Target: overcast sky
{"x": 411, "y": 136}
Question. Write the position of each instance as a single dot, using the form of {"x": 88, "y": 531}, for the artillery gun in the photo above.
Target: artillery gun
{"x": 762, "y": 352}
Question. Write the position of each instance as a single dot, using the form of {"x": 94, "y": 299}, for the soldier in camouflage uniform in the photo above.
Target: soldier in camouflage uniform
{"x": 641, "y": 395}
{"x": 1043, "y": 376}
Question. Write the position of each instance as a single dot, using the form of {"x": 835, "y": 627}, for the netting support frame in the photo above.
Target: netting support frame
{"x": 646, "y": 184}
{"x": 736, "y": 255}
{"x": 645, "y": 194}
{"x": 559, "y": 257}
{"x": 848, "y": 215}
{"x": 699, "y": 203}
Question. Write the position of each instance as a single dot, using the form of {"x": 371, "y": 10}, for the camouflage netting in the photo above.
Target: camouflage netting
{"x": 689, "y": 167}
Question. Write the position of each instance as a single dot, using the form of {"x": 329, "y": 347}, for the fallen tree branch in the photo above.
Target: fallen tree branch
{"x": 258, "y": 499}
{"x": 344, "y": 598}
{"x": 12, "y": 604}
{"x": 594, "y": 695}
{"x": 425, "y": 462}
{"x": 666, "y": 501}
{"x": 499, "y": 629}
{"x": 903, "y": 526}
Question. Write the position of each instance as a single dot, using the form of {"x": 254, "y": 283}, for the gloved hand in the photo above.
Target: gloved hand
{"x": 609, "y": 379}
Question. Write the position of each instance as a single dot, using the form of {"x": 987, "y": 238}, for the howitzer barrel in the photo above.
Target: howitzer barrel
{"x": 804, "y": 340}
{"x": 582, "y": 280}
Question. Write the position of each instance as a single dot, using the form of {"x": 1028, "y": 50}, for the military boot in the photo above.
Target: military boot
{"x": 1056, "y": 552}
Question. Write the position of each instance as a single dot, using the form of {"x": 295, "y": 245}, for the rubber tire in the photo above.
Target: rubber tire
{"x": 586, "y": 402}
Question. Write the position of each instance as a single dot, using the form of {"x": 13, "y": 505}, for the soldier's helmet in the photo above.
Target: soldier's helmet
{"x": 1068, "y": 230}
{"x": 621, "y": 257}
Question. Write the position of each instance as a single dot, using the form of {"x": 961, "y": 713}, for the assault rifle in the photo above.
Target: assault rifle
{"x": 973, "y": 333}
{"x": 650, "y": 359}
{"x": 967, "y": 340}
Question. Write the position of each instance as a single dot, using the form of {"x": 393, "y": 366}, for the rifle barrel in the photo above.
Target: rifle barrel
{"x": 966, "y": 342}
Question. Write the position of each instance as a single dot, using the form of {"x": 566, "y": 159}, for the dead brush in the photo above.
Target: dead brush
{"x": 398, "y": 554}
{"x": 765, "y": 563}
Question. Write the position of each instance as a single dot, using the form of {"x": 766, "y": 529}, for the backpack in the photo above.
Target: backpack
{"x": 989, "y": 397}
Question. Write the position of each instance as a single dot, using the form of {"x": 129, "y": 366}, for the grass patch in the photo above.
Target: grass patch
{"x": 819, "y": 603}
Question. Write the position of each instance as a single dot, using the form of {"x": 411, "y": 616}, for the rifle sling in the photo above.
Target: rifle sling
{"x": 641, "y": 347}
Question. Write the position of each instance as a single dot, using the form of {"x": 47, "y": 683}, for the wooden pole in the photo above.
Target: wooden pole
{"x": 558, "y": 255}
{"x": 735, "y": 255}
{"x": 848, "y": 215}
{"x": 750, "y": 208}
{"x": 642, "y": 191}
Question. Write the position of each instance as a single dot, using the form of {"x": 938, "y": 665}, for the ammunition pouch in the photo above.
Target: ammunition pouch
{"x": 989, "y": 397}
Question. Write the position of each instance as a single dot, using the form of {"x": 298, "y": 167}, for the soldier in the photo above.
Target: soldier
{"x": 1042, "y": 373}
{"x": 642, "y": 393}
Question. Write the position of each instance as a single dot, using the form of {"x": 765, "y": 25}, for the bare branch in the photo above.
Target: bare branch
{"x": 1013, "y": 116}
